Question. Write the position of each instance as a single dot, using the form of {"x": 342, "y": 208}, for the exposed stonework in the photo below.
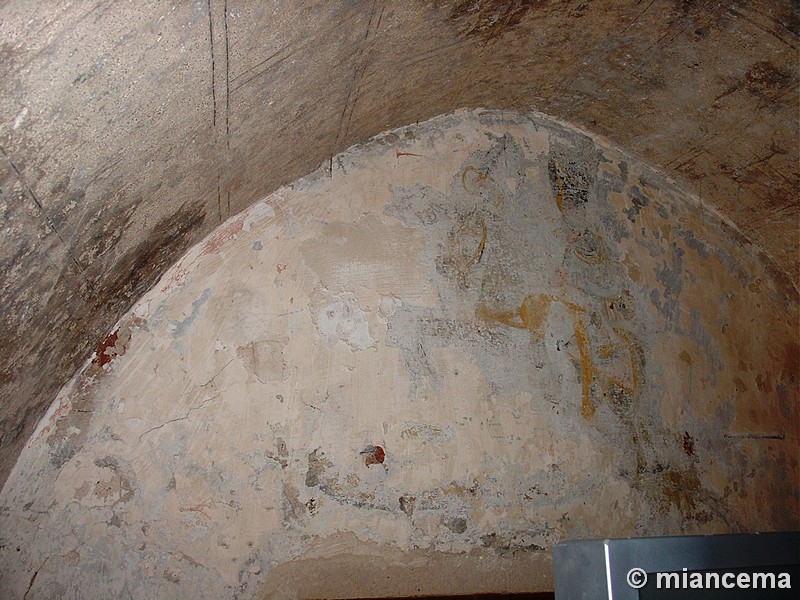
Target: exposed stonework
{"x": 469, "y": 339}
{"x": 130, "y": 130}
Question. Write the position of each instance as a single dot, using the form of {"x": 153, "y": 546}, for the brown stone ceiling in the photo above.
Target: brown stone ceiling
{"x": 128, "y": 131}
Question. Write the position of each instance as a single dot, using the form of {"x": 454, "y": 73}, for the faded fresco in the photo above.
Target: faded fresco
{"x": 461, "y": 341}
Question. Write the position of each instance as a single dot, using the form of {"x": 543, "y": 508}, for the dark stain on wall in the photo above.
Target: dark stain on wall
{"x": 766, "y": 81}
{"x": 106, "y": 292}
{"x": 138, "y": 269}
{"x": 688, "y": 444}
{"x": 490, "y": 19}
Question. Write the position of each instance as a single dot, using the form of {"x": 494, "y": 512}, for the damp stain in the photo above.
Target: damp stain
{"x": 456, "y": 524}
{"x": 766, "y": 81}
{"x": 137, "y": 269}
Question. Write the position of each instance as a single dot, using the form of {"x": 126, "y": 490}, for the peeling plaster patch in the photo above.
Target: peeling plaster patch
{"x": 317, "y": 464}
{"x": 370, "y": 255}
{"x": 257, "y": 213}
{"x": 688, "y": 444}
{"x": 407, "y": 504}
{"x": 504, "y": 543}
{"x": 116, "y": 342}
{"x": 264, "y": 359}
{"x": 293, "y": 508}
{"x": 119, "y": 488}
{"x": 338, "y": 317}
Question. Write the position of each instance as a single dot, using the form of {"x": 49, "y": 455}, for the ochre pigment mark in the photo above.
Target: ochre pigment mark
{"x": 478, "y": 183}
{"x": 609, "y": 350}
{"x": 460, "y": 489}
{"x": 605, "y": 351}
{"x": 398, "y": 154}
{"x": 582, "y": 338}
{"x": 466, "y": 244}
{"x": 532, "y": 315}
{"x": 479, "y": 179}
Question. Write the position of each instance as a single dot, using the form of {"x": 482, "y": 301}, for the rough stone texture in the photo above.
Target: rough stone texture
{"x": 128, "y": 131}
{"x": 467, "y": 340}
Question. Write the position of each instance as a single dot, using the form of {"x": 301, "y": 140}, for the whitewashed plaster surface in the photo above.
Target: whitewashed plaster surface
{"x": 467, "y": 338}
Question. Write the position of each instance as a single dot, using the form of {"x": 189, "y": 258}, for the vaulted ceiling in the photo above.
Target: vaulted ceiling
{"x": 128, "y": 131}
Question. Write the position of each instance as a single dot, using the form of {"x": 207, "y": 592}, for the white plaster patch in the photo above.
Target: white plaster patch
{"x": 20, "y": 117}
{"x": 260, "y": 211}
{"x": 340, "y": 318}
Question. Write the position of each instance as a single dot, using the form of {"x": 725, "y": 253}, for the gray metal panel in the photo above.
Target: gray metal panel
{"x": 597, "y": 569}
{"x": 579, "y": 570}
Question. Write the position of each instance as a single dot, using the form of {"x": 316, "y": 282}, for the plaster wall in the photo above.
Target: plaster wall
{"x": 413, "y": 371}
{"x": 130, "y": 130}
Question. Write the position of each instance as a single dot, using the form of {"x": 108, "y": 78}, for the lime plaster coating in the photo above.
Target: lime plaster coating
{"x": 448, "y": 347}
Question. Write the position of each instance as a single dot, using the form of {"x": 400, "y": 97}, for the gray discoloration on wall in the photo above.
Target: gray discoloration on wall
{"x": 462, "y": 351}
{"x": 182, "y": 326}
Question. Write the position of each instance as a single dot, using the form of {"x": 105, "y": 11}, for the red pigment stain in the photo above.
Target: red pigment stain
{"x": 216, "y": 241}
{"x": 101, "y": 358}
{"x": 177, "y": 278}
{"x": 373, "y": 455}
